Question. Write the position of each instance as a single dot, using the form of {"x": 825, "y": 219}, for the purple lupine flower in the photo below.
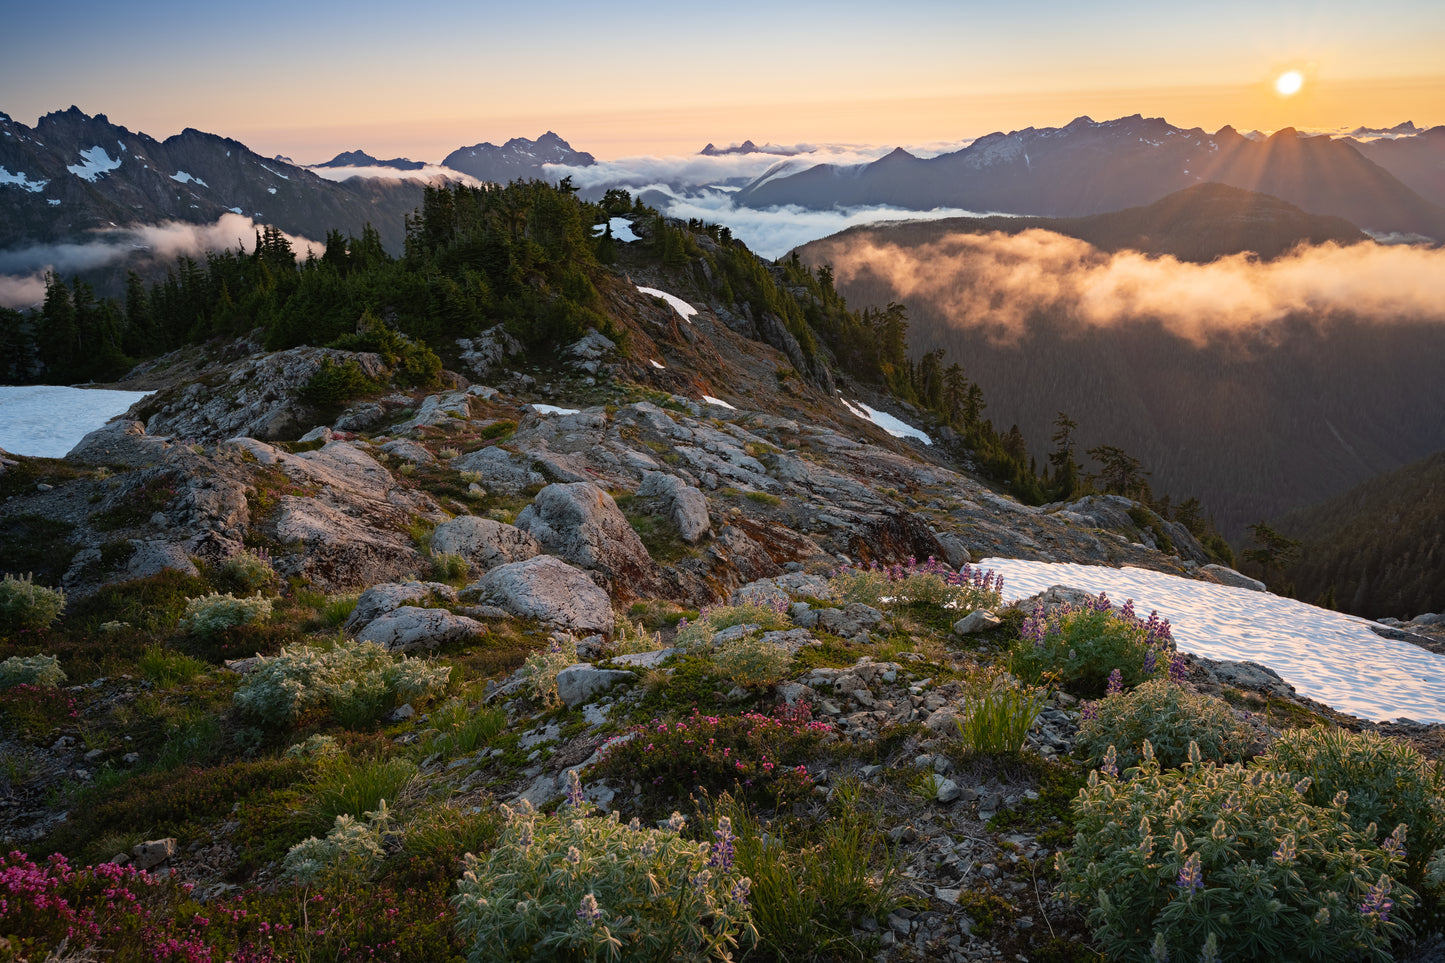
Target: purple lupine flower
{"x": 1087, "y": 711}
{"x": 1110, "y": 764}
{"x": 1191, "y": 877}
{"x": 1158, "y": 951}
{"x": 1394, "y": 843}
{"x": 1209, "y": 952}
{"x": 1127, "y": 612}
{"x": 1303, "y": 786}
{"x": 1116, "y": 683}
{"x": 723, "y": 850}
{"x": 1377, "y": 904}
{"x": 741, "y": 889}
{"x": 1101, "y": 604}
{"x": 1151, "y": 662}
{"x": 575, "y": 798}
{"x": 589, "y": 912}
{"x": 1286, "y": 851}
{"x": 574, "y": 855}
{"x": 1178, "y": 670}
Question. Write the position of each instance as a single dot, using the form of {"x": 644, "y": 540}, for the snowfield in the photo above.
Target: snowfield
{"x": 1329, "y": 657}
{"x": 890, "y": 424}
{"x": 93, "y": 163}
{"x": 621, "y": 229}
{"x": 47, "y": 421}
{"x": 685, "y": 310}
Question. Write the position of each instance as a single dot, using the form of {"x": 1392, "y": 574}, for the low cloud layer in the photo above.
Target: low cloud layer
{"x": 430, "y": 174}
{"x": 22, "y": 271}
{"x": 998, "y": 281}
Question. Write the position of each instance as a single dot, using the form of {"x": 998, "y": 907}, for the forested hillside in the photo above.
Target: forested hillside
{"x": 1379, "y": 549}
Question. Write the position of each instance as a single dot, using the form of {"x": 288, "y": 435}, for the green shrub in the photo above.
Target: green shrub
{"x": 352, "y": 787}
{"x": 41, "y": 671}
{"x": 356, "y": 680}
{"x": 449, "y": 567}
{"x": 1081, "y": 646}
{"x": 998, "y": 714}
{"x": 806, "y": 901}
{"x": 930, "y": 585}
{"x": 195, "y": 740}
{"x": 713, "y": 619}
{"x": 35, "y": 711}
{"x": 248, "y": 571}
{"x": 462, "y": 729}
{"x": 759, "y": 759}
{"x": 25, "y": 606}
{"x": 168, "y": 667}
{"x": 573, "y": 886}
{"x": 1205, "y": 861}
{"x": 352, "y": 850}
{"x": 210, "y": 615}
{"x": 1387, "y": 780}
{"x": 1170, "y": 717}
{"x": 751, "y": 661}
{"x": 333, "y": 385}
{"x": 542, "y": 667}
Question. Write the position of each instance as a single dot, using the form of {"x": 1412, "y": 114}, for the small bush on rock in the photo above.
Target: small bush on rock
{"x": 27, "y": 606}
{"x": 249, "y": 571}
{"x": 541, "y": 668}
{"x": 1082, "y": 646}
{"x": 41, "y": 671}
{"x": 1203, "y": 862}
{"x": 354, "y": 679}
{"x": 1387, "y": 781}
{"x": 757, "y": 758}
{"x": 1170, "y": 717}
{"x": 210, "y": 615}
{"x": 573, "y": 886}
{"x": 750, "y": 661}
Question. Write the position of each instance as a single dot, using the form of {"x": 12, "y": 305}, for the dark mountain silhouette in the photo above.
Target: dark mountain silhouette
{"x": 1089, "y": 167}
{"x": 360, "y": 158}
{"x": 1417, "y": 161}
{"x": 74, "y": 174}
{"x": 517, "y": 159}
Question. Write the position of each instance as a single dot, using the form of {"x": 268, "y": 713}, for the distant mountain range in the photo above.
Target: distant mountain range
{"x": 74, "y": 174}
{"x": 1090, "y": 167}
{"x": 517, "y": 159}
{"x": 1256, "y": 422}
{"x": 360, "y": 158}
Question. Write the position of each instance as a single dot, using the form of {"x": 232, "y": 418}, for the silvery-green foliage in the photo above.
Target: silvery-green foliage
{"x": 1170, "y": 717}
{"x": 576, "y": 886}
{"x": 1168, "y": 859}
{"x": 541, "y": 667}
{"x": 629, "y": 637}
{"x": 249, "y": 570}
{"x": 752, "y": 661}
{"x": 352, "y": 850}
{"x": 304, "y": 677}
{"x": 36, "y": 670}
{"x": 315, "y": 746}
{"x": 1435, "y": 869}
{"x": 25, "y": 605}
{"x": 212, "y": 614}
{"x": 1386, "y": 782}
{"x": 768, "y": 616}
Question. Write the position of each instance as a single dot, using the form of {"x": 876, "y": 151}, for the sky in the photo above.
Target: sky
{"x": 638, "y": 77}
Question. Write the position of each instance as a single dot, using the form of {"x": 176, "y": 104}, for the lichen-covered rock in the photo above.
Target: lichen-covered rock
{"x": 548, "y": 589}
{"x": 338, "y": 551}
{"x": 484, "y": 542}
{"x": 686, "y": 505}
{"x": 409, "y": 628}
{"x": 581, "y": 523}
{"x": 500, "y": 470}
{"x": 390, "y": 596}
{"x": 577, "y": 684}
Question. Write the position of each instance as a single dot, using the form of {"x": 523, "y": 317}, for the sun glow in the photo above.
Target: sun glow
{"x": 1289, "y": 83}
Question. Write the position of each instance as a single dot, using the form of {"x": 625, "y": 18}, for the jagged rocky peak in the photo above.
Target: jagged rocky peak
{"x": 360, "y": 158}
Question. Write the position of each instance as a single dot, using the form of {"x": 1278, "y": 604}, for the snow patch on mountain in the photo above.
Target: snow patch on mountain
{"x": 94, "y": 162}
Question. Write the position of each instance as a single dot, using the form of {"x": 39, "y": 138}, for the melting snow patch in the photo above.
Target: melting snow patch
{"x": 234, "y": 210}
{"x": 621, "y": 229}
{"x": 94, "y": 163}
{"x": 654, "y": 363}
{"x": 181, "y": 177}
{"x": 1332, "y": 658}
{"x": 685, "y": 310}
{"x": 22, "y": 181}
{"x": 270, "y": 190}
{"x": 890, "y": 424}
{"x": 277, "y": 173}
{"x": 554, "y": 410}
{"x": 46, "y": 421}
{"x": 718, "y": 401}
{"x": 52, "y": 202}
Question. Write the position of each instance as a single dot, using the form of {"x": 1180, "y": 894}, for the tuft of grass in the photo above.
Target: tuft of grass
{"x": 167, "y": 667}
{"x": 463, "y": 729}
{"x": 764, "y": 498}
{"x": 348, "y": 787}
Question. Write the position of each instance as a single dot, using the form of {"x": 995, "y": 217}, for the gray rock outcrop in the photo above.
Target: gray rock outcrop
{"x": 686, "y": 505}
{"x": 390, "y": 596}
{"x": 548, "y": 589}
{"x": 409, "y": 628}
{"x": 581, "y": 523}
{"x": 484, "y": 542}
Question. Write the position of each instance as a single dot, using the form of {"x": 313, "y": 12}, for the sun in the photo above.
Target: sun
{"x": 1289, "y": 83}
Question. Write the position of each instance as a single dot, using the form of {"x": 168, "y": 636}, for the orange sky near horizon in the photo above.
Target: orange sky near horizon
{"x": 639, "y": 76}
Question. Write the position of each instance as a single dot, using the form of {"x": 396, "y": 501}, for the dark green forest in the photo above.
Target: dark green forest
{"x": 1379, "y": 549}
